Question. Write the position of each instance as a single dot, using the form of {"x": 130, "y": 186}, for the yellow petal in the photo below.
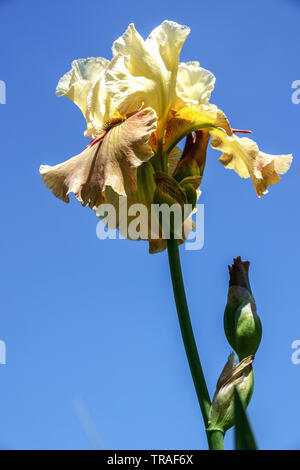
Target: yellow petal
{"x": 144, "y": 72}
{"x": 77, "y": 83}
{"x": 194, "y": 85}
{"x": 100, "y": 107}
{"x": 84, "y": 85}
{"x": 112, "y": 161}
{"x": 192, "y": 118}
{"x": 244, "y": 156}
{"x": 239, "y": 154}
{"x": 234, "y": 151}
{"x": 166, "y": 42}
{"x": 269, "y": 167}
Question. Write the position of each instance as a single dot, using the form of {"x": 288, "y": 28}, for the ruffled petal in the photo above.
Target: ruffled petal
{"x": 239, "y": 154}
{"x": 77, "y": 83}
{"x": 144, "y": 72}
{"x": 77, "y": 175}
{"x": 194, "y": 85}
{"x": 269, "y": 167}
{"x": 129, "y": 93}
{"x": 111, "y": 161}
{"x": 84, "y": 84}
{"x": 244, "y": 156}
{"x": 125, "y": 148}
{"x": 166, "y": 42}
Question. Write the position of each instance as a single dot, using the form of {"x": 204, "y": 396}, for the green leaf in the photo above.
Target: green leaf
{"x": 244, "y": 438}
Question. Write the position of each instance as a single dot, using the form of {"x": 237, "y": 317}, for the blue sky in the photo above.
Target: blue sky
{"x": 94, "y": 322}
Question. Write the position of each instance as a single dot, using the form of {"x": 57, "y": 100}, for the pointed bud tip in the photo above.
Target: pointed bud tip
{"x": 238, "y": 272}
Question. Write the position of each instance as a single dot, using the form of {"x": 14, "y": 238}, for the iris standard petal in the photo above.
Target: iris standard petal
{"x": 144, "y": 72}
{"x": 100, "y": 107}
{"x": 84, "y": 85}
{"x": 77, "y": 83}
{"x": 194, "y": 85}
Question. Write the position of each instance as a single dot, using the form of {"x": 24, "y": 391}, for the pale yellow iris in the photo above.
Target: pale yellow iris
{"x": 137, "y": 107}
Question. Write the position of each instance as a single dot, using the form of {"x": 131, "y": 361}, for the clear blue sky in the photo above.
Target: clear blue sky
{"x": 95, "y": 321}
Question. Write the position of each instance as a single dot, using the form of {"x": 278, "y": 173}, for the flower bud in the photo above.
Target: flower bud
{"x": 242, "y": 325}
{"x": 190, "y": 186}
{"x": 233, "y": 375}
{"x": 193, "y": 159}
{"x": 168, "y": 191}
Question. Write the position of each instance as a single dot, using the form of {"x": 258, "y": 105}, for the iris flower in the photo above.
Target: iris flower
{"x": 138, "y": 107}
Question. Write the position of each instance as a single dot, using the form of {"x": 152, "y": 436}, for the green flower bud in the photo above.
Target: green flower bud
{"x": 242, "y": 325}
{"x": 184, "y": 195}
{"x": 190, "y": 186}
{"x": 233, "y": 375}
{"x": 168, "y": 191}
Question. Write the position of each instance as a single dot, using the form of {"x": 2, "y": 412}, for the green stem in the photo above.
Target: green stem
{"x": 213, "y": 437}
{"x": 216, "y": 440}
